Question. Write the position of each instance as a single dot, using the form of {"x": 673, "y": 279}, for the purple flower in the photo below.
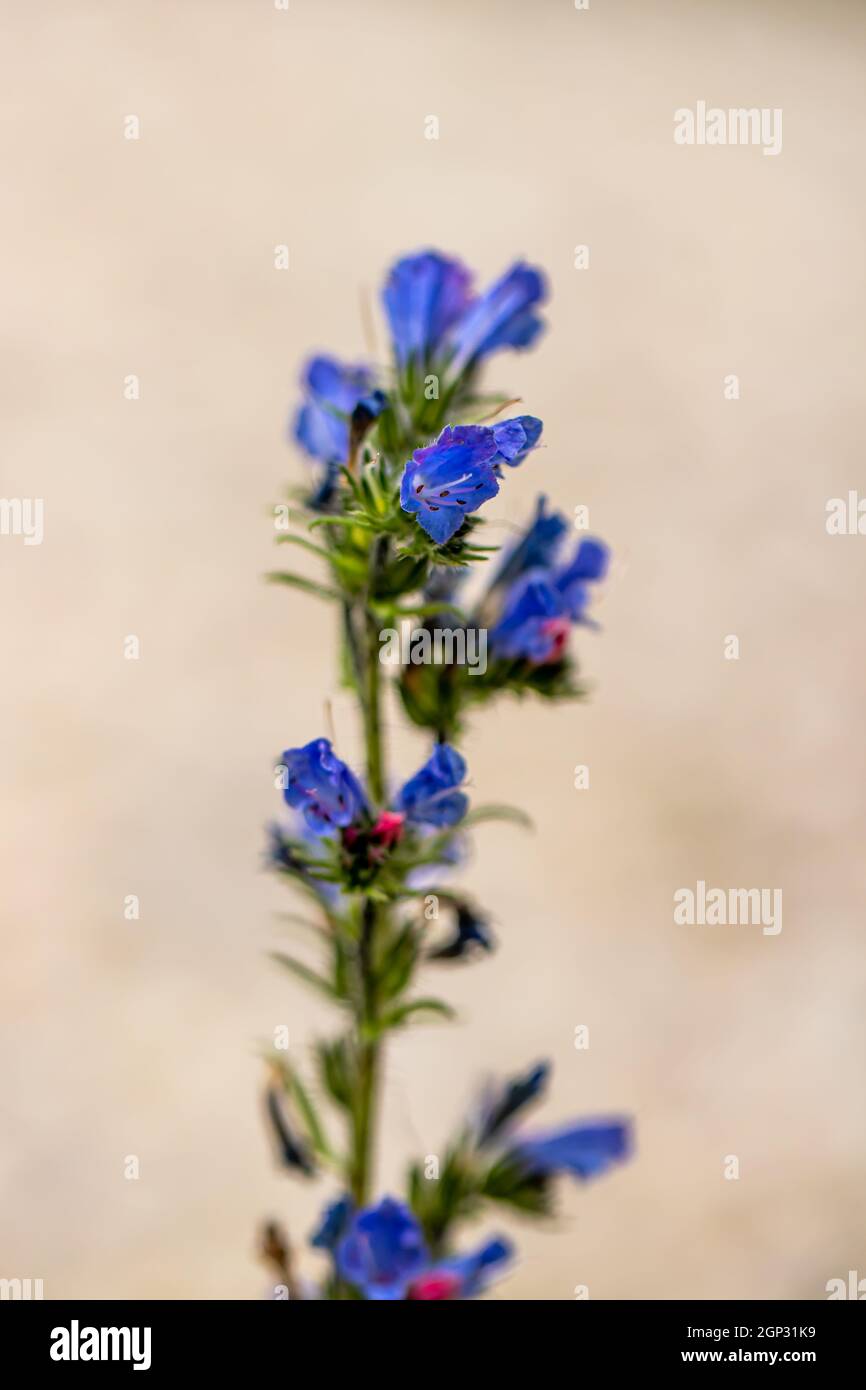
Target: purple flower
{"x": 332, "y": 392}
{"x": 333, "y": 1224}
{"x": 471, "y": 930}
{"x": 383, "y": 1250}
{"x": 384, "y": 1256}
{"x": 430, "y": 797}
{"x": 290, "y": 1147}
{"x": 424, "y": 295}
{"x": 446, "y": 481}
{"x": 504, "y": 316}
{"x": 322, "y": 787}
{"x": 534, "y": 625}
{"x": 589, "y": 565}
{"x": 464, "y": 1276}
{"x": 586, "y": 1150}
{"x": 500, "y": 1104}
{"x": 537, "y": 548}
{"x": 516, "y": 438}
{"x": 451, "y": 478}
{"x": 541, "y": 605}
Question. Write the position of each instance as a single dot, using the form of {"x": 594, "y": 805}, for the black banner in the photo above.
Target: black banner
{"x": 159, "y": 1339}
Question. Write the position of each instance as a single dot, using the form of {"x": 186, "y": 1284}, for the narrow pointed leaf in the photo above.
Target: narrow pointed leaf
{"x": 303, "y": 972}
{"x": 395, "y": 1018}
{"x": 297, "y": 581}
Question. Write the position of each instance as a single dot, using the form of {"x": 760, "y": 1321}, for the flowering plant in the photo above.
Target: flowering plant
{"x": 402, "y": 466}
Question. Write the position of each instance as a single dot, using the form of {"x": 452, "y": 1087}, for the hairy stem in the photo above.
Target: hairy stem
{"x": 367, "y": 1063}
{"x": 371, "y": 697}
{"x": 373, "y": 713}
{"x": 367, "y": 1045}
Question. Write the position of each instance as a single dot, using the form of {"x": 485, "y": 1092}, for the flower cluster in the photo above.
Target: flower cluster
{"x": 403, "y": 464}
{"x": 381, "y": 1253}
{"x": 329, "y": 795}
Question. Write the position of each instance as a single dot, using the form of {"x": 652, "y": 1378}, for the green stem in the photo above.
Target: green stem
{"x": 367, "y": 1060}
{"x": 367, "y": 1045}
{"x": 373, "y": 713}
{"x": 371, "y": 698}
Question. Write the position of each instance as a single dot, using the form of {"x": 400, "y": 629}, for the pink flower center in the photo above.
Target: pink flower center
{"x": 432, "y": 1287}
{"x": 388, "y": 829}
{"x": 557, "y": 629}
{"x": 383, "y": 835}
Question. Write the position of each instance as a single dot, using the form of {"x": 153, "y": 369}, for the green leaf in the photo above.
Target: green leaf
{"x": 305, "y": 545}
{"x": 296, "y": 920}
{"x": 453, "y": 1197}
{"x": 348, "y": 519}
{"x": 307, "y": 1112}
{"x": 336, "y": 1071}
{"x": 303, "y": 972}
{"x": 308, "y": 586}
{"x": 313, "y": 895}
{"x": 430, "y": 610}
{"x": 342, "y": 979}
{"x": 508, "y": 1181}
{"x": 401, "y": 954}
{"x": 480, "y": 814}
{"x": 395, "y": 1018}
{"x": 352, "y": 483}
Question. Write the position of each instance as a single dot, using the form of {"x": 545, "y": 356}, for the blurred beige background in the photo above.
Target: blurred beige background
{"x": 155, "y": 257}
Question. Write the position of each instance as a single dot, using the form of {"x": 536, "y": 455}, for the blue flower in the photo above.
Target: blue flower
{"x": 325, "y": 490}
{"x": 384, "y": 1256}
{"x": 464, "y": 1276}
{"x": 586, "y": 1150}
{"x": 333, "y": 1224}
{"x": 449, "y": 479}
{"x": 500, "y": 1105}
{"x": 332, "y": 391}
{"x": 471, "y": 930}
{"x": 291, "y": 1148}
{"x": 589, "y": 565}
{"x": 516, "y": 438}
{"x": 542, "y": 603}
{"x": 537, "y": 547}
{"x": 534, "y": 624}
{"x": 504, "y": 316}
{"x": 430, "y": 797}
{"x": 424, "y": 295}
{"x": 383, "y": 1250}
{"x": 322, "y": 787}
{"x": 453, "y": 477}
